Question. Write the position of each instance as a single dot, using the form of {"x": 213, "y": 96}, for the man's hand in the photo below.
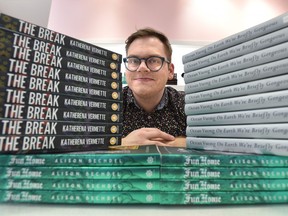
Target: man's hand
{"x": 148, "y": 136}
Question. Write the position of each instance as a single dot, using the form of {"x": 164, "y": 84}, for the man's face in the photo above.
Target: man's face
{"x": 144, "y": 82}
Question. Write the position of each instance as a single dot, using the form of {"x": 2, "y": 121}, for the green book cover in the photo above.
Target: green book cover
{"x": 224, "y": 173}
{"x": 219, "y": 198}
{"x": 229, "y": 185}
{"x": 78, "y": 197}
{"x": 198, "y": 158}
{"x": 80, "y": 184}
{"x": 136, "y": 172}
{"x": 144, "y": 155}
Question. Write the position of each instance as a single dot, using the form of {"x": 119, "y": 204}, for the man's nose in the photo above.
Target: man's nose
{"x": 143, "y": 66}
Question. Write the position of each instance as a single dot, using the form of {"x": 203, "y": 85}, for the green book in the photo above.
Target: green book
{"x": 198, "y": 158}
{"x": 224, "y": 173}
{"x": 145, "y": 155}
{"x": 80, "y": 184}
{"x": 78, "y": 197}
{"x": 140, "y": 172}
{"x": 228, "y": 185}
{"x": 219, "y": 198}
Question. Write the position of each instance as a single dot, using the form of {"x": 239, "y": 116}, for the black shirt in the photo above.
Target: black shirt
{"x": 169, "y": 115}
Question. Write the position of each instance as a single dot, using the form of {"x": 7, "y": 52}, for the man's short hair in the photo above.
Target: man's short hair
{"x": 150, "y": 32}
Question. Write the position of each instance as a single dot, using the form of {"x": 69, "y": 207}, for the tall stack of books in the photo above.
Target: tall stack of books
{"x": 236, "y": 91}
{"x": 101, "y": 177}
{"x": 58, "y": 93}
{"x": 236, "y": 101}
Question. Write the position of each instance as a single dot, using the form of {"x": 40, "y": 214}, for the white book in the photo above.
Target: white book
{"x": 259, "y": 86}
{"x": 274, "y": 115}
{"x": 255, "y": 101}
{"x": 269, "y": 131}
{"x": 255, "y": 146}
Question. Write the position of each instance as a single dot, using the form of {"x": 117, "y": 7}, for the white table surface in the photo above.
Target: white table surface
{"x": 15, "y": 209}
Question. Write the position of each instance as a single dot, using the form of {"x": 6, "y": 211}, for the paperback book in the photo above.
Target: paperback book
{"x": 22, "y": 98}
{"x": 80, "y": 173}
{"x": 270, "y": 54}
{"x": 229, "y": 185}
{"x": 276, "y": 83}
{"x": 241, "y": 145}
{"x": 27, "y": 144}
{"x": 136, "y": 156}
{"x": 246, "y": 75}
{"x": 196, "y": 173}
{"x": 249, "y": 102}
{"x": 79, "y": 197}
{"x": 44, "y": 71}
{"x": 44, "y": 127}
{"x": 257, "y": 116}
{"x": 82, "y": 184}
{"x": 195, "y": 157}
{"x": 261, "y": 131}
{"x": 222, "y": 197}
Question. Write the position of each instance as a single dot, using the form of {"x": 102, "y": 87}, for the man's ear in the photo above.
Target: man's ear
{"x": 171, "y": 71}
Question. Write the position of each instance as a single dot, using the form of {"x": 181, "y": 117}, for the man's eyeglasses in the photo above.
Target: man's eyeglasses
{"x": 153, "y": 63}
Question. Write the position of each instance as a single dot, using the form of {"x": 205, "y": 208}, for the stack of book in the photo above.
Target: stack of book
{"x": 236, "y": 91}
{"x": 101, "y": 177}
{"x": 193, "y": 177}
{"x": 58, "y": 93}
{"x": 236, "y": 101}
{"x": 145, "y": 175}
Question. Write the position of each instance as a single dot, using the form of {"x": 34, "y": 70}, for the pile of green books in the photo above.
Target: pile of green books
{"x": 101, "y": 177}
{"x": 147, "y": 175}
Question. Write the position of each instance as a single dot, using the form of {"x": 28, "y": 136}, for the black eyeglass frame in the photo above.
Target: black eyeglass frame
{"x": 145, "y": 60}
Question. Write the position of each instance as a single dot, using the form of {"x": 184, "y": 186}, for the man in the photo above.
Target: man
{"x": 152, "y": 113}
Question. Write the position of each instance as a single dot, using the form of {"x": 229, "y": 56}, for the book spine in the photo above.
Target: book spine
{"x": 48, "y": 35}
{"x": 77, "y": 173}
{"x": 250, "y": 46}
{"x": 20, "y": 112}
{"x": 240, "y": 37}
{"x": 22, "y": 98}
{"x": 275, "y": 115}
{"x": 220, "y": 159}
{"x": 44, "y": 71}
{"x": 221, "y": 198}
{"x": 207, "y": 173}
{"x": 70, "y": 57}
{"x": 63, "y": 90}
{"x": 265, "y": 100}
{"x": 79, "y": 197}
{"x": 17, "y": 144}
{"x": 254, "y": 146}
{"x": 264, "y": 131}
{"x": 93, "y": 159}
{"x": 84, "y": 184}
{"x": 224, "y": 185}
{"x": 270, "y": 54}
{"x": 44, "y": 127}
{"x": 253, "y": 73}
{"x": 259, "y": 86}
{"x": 15, "y": 80}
